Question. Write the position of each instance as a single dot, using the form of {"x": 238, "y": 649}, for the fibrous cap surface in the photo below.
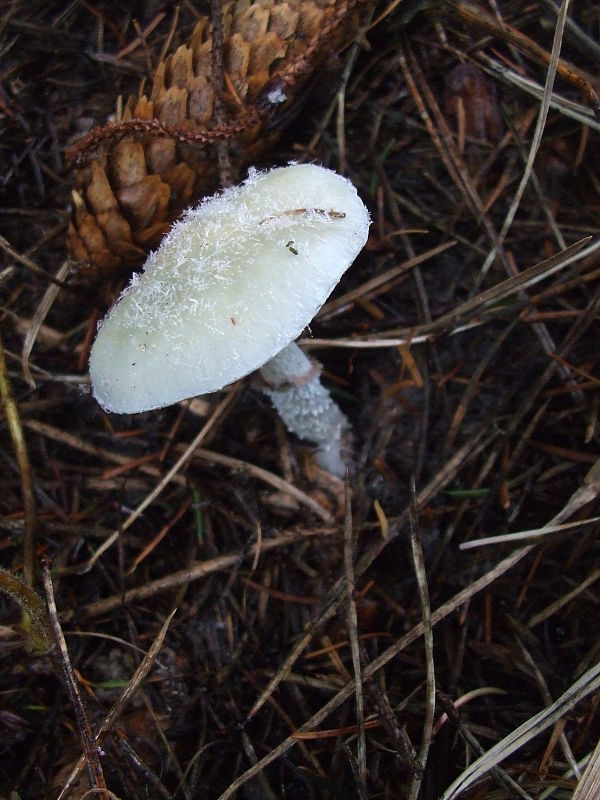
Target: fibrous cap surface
{"x": 233, "y": 282}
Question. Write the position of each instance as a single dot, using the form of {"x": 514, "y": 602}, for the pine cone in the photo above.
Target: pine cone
{"x": 146, "y": 169}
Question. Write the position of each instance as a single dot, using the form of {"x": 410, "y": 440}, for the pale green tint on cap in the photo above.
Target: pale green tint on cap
{"x": 234, "y": 281}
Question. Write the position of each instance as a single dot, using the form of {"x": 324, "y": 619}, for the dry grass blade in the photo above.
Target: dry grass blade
{"x": 588, "y": 683}
{"x": 175, "y": 469}
{"x": 79, "y": 446}
{"x": 421, "y": 576}
{"x": 352, "y": 622}
{"x": 564, "y": 105}
{"x": 193, "y": 573}
{"x": 558, "y": 733}
{"x": 537, "y": 136}
{"x": 472, "y": 388}
{"x": 132, "y": 687}
{"x": 567, "y": 598}
{"x": 268, "y": 477}
{"x": 524, "y": 280}
{"x": 42, "y": 311}
{"x": 480, "y": 305}
{"x": 36, "y": 621}
{"x": 588, "y": 788}
{"x": 373, "y": 668}
{"x": 383, "y": 281}
{"x": 519, "y": 536}
{"x": 480, "y": 17}
{"x": 337, "y": 593}
{"x": 439, "y": 614}
{"x": 91, "y": 754}
{"x": 27, "y": 262}
{"x": 498, "y": 773}
{"x": 13, "y": 419}
{"x": 440, "y": 133}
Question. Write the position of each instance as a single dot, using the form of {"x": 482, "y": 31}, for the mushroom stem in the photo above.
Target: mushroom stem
{"x": 305, "y": 405}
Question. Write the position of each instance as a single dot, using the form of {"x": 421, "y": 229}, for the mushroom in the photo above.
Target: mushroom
{"x": 228, "y": 291}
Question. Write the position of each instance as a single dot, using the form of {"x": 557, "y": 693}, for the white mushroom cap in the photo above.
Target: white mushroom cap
{"x": 234, "y": 281}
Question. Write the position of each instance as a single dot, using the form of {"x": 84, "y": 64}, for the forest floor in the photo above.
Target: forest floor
{"x": 427, "y": 628}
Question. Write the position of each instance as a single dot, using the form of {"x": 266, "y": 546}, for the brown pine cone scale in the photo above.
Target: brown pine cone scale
{"x": 134, "y": 177}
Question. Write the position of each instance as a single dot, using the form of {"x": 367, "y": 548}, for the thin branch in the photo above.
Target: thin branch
{"x": 95, "y": 774}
